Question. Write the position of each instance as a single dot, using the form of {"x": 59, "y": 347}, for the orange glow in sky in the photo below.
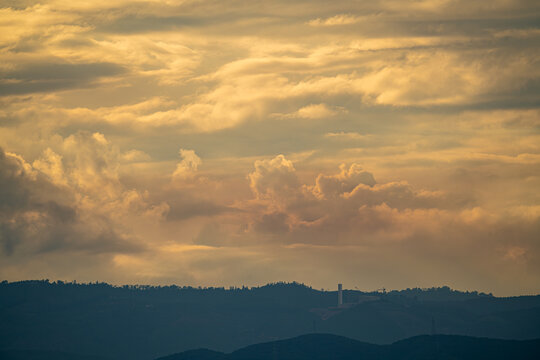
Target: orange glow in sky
{"x": 374, "y": 143}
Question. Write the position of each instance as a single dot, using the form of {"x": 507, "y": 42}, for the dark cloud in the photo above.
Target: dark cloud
{"x": 183, "y": 208}
{"x": 13, "y": 194}
{"x": 37, "y": 216}
{"x": 274, "y": 223}
{"x": 39, "y": 77}
{"x": 9, "y": 237}
{"x": 18, "y": 4}
{"x": 211, "y": 235}
{"x": 141, "y": 24}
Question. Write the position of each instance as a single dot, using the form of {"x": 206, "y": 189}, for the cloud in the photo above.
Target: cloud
{"x": 15, "y": 171}
{"x": 346, "y": 135}
{"x": 38, "y": 216}
{"x": 51, "y": 165}
{"x": 184, "y": 207}
{"x": 328, "y": 186}
{"x": 273, "y": 179}
{"x": 92, "y": 165}
{"x": 349, "y": 210}
{"x": 336, "y": 20}
{"x": 431, "y": 106}
{"x": 188, "y": 166}
{"x": 274, "y": 223}
{"x": 131, "y": 24}
{"x": 266, "y": 72}
{"x": 50, "y": 77}
{"x": 70, "y": 201}
{"x": 344, "y": 203}
{"x": 313, "y": 111}
{"x": 135, "y": 156}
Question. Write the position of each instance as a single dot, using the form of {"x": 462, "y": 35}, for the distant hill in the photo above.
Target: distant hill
{"x": 145, "y": 322}
{"x": 332, "y": 347}
{"x": 44, "y": 355}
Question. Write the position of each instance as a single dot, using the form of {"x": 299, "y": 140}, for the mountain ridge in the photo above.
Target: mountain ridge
{"x": 145, "y": 322}
{"x": 334, "y": 347}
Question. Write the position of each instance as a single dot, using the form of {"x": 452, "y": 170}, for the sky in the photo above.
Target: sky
{"x": 380, "y": 143}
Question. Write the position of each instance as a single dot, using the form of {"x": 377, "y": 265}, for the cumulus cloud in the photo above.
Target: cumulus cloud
{"x": 51, "y": 165}
{"x": 188, "y": 166}
{"x": 273, "y": 178}
{"x": 14, "y": 171}
{"x": 349, "y": 209}
{"x": 38, "y": 216}
{"x": 72, "y": 201}
{"x": 338, "y": 198}
{"x": 327, "y": 186}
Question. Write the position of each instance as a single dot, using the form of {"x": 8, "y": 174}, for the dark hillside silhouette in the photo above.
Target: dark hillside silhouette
{"x": 145, "y": 322}
{"x": 44, "y": 355}
{"x": 330, "y": 347}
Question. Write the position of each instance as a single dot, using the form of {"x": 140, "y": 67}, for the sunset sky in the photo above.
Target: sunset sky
{"x": 381, "y": 143}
